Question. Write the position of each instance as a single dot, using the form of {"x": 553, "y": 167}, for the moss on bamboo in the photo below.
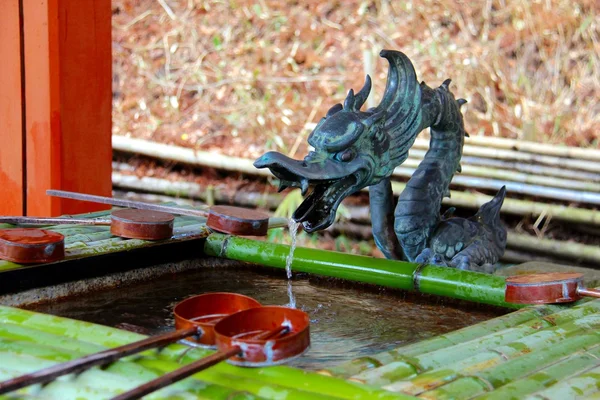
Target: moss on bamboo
{"x": 577, "y": 387}
{"x": 513, "y": 369}
{"x": 529, "y": 382}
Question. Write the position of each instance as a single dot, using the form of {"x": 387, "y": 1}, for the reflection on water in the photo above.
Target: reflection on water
{"x": 346, "y": 322}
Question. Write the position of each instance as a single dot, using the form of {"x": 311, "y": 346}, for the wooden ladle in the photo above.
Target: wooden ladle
{"x": 226, "y": 219}
{"x": 544, "y": 288}
{"x": 207, "y": 304}
{"x": 127, "y": 223}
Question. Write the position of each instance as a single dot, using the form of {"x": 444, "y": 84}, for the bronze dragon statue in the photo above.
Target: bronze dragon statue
{"x": 354, "y": 149}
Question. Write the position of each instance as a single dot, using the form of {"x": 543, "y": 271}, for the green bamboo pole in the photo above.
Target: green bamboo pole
{"x": 546, "y": 377}
{"x": 577, "y": 387}
{"x": 487, "y": 358}
{"x": 16, "y": 332}
{"x": 117, "y": 378}
{"x": 59, "y": 390}
{"x": 285, "y": 386}
{"x": 19, "y": 324}
{"x": 513, "y": 369}
{"x": 297, "y": 379}
{"x": 443, "y": 281}
{"x": 268, "y": 390}
{"x": 38, "y": 350}
{"x": 356, "y": 366}
{"x": 8, "y": 265}
{"x": 593, "y": 396}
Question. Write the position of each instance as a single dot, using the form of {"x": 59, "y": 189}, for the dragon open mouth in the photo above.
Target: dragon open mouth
{"x": 330, "y": 181}
{"x": 318, "y": 210}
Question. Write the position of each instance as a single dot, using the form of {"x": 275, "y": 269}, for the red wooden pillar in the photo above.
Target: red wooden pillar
{"x": 11, "y": 128}
{"x": 66, "y": 107}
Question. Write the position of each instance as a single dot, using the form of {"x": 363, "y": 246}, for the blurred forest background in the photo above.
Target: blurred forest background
{"x": 244, "y": 77}
{"x": 241, "y": 77}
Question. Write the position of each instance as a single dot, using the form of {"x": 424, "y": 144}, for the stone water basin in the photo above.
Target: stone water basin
{"x": 347, "y": 320}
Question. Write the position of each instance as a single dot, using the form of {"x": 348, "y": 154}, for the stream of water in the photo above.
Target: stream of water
{"x": 293, "y": 230}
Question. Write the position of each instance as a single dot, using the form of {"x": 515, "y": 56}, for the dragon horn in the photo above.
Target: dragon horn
{"x": 461, "y": 102}
{"x": 350, "y": 100}
{"x": 362, "y": 95}
{"x": 446, "y": 83}
{"x": 333, "y": 110}
{"x": 402, "y": 96}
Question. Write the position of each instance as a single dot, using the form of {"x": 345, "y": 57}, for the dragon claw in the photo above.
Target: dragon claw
{"x": 464, "y": 264}
{"x": 429, "y": 257}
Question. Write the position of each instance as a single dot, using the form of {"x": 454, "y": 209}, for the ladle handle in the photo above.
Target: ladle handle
{"x": 177, "y": 375}
{"x": 588, "y": 292}
{"x": 52, "y": 221}
{"x": 192, "y": 368}
{"x": 100, "y": 358}
{"x": 275, "y": 222}
{"x": 126, "y": 203}
{"x": 271, "y": 334}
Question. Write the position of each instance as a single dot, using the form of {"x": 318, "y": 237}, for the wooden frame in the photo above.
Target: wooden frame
{"x": 60, "y": 133}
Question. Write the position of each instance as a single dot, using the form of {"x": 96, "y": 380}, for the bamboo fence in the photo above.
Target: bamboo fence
{"x": 534, "y": 246}
{"x": 579, "y": 179}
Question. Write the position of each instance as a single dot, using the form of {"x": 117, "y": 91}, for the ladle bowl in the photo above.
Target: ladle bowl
{"x": 141, "y": 224}
{"x": 244, "y": 329}
{"x": 547, "y": 288}
{"x": 205, "y": 310}
{"x": 31, "y": 245}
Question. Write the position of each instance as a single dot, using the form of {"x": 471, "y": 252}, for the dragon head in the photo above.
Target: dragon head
{"x": 352, "y": 149}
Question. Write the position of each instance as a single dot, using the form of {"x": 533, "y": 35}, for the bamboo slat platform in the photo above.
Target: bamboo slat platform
{"x": 83, "y": 241}
{"x": 93, "y": 252}
{"x": 30, "y": 341}
{"x": 543, "y": 352}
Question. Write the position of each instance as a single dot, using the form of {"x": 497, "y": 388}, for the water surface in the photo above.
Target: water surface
{"x": 347, "y": 321}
